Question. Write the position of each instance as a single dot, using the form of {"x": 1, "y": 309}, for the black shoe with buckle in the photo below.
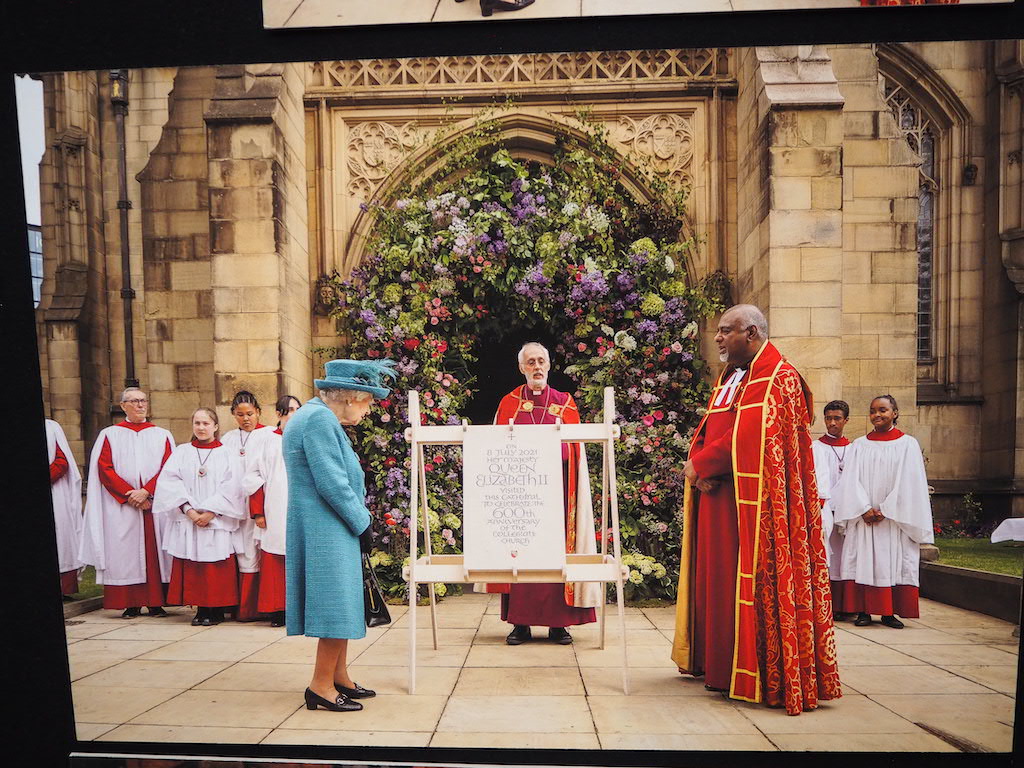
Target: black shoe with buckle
{"x": 892, "y": 621}
{"x": 559, "y": 635}
{"x": 862, "y": 620}
{"x": 277, "y": 619}
{"x": 131, "y": 613}
{"x": 341, "y": 704}
{"x": 358, "y": 692}
{"x": 519, "y": 635}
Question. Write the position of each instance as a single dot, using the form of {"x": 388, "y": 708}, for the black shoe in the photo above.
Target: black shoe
{"x": 842, "y": 616}
{"x": 341, "y": 704}
{"x": 216, "y": 615}
{"x": 559, "y": 635}
{"x": 519, "y": 635}
{"x": 487, "y": 7}
{"x": 716, "y": 690}
{"x": 131, "y": 613}
{"x": 862, "y": 620}
{"x": 157, "y": 612}
{"x": 201, "y": 613}
{"x": 277, "y": 619}
{"x": 355, "y": 693}
{"x": 892, "y": 621}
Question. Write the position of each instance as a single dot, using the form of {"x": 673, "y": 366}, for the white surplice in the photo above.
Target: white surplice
{"x": 181, "y": 487}
{"x": 268, "y": 472}
{"x": 235, "y": 442}
{"x": 828, "y": 472}
{"x": 887, "y": 475}
{"x": 67, "y": 500}
{"x": 113, "y": 537}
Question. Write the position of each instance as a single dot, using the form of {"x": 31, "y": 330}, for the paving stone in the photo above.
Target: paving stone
{"x": 519, "y": 681}
{"x": 506, "y": 714}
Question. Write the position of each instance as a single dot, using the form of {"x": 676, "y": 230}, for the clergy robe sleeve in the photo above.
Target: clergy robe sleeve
{"x": 850, "y": 498}
{"x": 109, "y": 479}
{"x": 59, "y": 466}
{"x": 151, "y": 483}
{"x": 713, "y": 459}
{"x": 256, "y": 502}
{"x": 907, "y": 504}
{"x": 171, "y": 494}
{"x": 330, "y": 474}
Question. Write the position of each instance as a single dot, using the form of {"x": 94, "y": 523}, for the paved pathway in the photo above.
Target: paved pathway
{"x": 952, "y": 671}
{"x": 320, "y": 13}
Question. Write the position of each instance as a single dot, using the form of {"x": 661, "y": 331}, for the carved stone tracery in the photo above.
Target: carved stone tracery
{"x": 691, "y": 64}
{"x": 374, "y": 149}
{"x": 665, "y": 140}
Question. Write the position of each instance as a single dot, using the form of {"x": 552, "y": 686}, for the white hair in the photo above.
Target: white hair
{"x": 337, "y": 395}
{"x": 522, "y": 350}
{"x": 124, "y": 395}
{"x": 749, "y": 315}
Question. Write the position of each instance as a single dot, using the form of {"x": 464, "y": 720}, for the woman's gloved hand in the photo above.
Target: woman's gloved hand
{"x": 366, "y": 539}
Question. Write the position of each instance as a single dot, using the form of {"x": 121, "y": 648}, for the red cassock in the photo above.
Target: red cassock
{"x": 754, "y": 609}
{"x": 151, "y": 592}
{"x": 546, "y": 605}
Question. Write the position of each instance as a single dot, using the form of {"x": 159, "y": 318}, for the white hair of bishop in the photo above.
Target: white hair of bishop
{"x": 522, "y": 350}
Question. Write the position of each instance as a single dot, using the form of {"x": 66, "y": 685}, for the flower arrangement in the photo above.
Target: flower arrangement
{"x": 491, "y": 242}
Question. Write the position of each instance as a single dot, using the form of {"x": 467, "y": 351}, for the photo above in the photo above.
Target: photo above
{"x": 299, "y": 14}
{"x": 681, "y": 414}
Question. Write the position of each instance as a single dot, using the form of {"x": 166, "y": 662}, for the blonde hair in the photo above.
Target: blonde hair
{"x": 209, "y": 412}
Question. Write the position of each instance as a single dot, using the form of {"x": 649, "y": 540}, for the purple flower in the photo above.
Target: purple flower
{"x": 368, "y": 317}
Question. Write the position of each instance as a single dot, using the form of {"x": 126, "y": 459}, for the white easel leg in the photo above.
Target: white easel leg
{"x": 433, "y": 612}
{"x": 412, "y": 635}
{"x": 622, "y": 627}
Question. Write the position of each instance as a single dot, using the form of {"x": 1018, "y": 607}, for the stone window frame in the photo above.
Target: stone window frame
{"x": 942, "y": 113}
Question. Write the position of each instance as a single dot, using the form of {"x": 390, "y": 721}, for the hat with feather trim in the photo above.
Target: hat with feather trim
{"x": 361, "y": 375}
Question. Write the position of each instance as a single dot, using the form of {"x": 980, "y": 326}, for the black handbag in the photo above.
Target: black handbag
{"x": 374, "y": 607}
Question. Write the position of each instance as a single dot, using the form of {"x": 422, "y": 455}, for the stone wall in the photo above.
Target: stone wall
{"x": 176, "y": 252}
{"x": 260, "y": 278}
{"x": 879, "y": 265}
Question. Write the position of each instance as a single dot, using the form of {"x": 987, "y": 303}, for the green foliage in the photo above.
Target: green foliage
{"x": 486, "y": 242}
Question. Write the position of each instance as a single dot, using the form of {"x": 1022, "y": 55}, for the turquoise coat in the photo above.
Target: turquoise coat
{"x": 326, "y": 513}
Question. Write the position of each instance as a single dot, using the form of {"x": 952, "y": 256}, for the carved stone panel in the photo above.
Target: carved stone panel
{"x": 374, "y": 150}
{"x": 665, "y": 140}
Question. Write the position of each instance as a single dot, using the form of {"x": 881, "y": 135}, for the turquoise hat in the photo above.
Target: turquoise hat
{"x": 361, "y": 375}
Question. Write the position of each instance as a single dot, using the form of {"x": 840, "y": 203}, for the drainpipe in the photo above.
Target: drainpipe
{"x": 119, "y": 102}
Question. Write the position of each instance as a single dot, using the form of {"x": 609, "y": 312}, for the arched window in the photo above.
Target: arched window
{"x": 920, "y": 135}
{"x": 937, "y": 127}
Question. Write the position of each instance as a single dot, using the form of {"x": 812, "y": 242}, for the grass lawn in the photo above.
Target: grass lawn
{"x": 87, "y": 586}
{"x": 982, "y": 555}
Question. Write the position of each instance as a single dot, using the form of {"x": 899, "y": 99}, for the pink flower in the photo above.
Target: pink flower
{"x": 434, "y": 321}
{"x": 648, "y": 420}
{"x": 581, "y": 347}
{"x": 385, "y": 417}
{"x": 648, "y": 449}
{"x": 436, "y": 302}
{"x": 659, "y": 415}
{"x": 677, "y": 347}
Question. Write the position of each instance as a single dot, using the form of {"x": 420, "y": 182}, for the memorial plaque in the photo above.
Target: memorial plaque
{"x": 513, "y": 509}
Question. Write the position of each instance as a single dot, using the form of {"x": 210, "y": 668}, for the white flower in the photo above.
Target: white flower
{"x": 690, "y": 331}
{"x": 670, "y": 266}
{"x": 608, "y": 330}
{"x": 570, "y": 209}
{"x": 625, "y": 341}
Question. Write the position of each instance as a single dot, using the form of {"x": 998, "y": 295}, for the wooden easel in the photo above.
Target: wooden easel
{"x": 429, "y": 569}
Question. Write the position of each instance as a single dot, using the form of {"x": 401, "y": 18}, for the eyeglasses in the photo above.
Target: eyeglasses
{"x": 136, "y": 401}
